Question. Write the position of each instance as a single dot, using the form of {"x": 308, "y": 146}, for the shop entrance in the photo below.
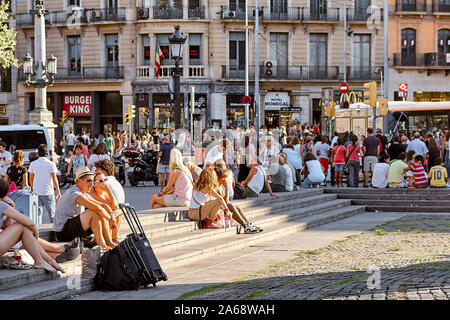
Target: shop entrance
{"x": 272, "y": 118}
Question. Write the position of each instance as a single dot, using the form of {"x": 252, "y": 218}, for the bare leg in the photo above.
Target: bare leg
{"x": 366, "y": 178}
{"x": 90, "y": 219}
{"x": 50, "y": 247}
{"x": 115, "y": 232}
{"x": 157, "y": 202}
{"x": 106, "y": 231}
{"x": 161, "y": 181}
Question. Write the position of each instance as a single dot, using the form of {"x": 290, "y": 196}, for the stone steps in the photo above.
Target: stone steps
{"x": 178, "y": 242}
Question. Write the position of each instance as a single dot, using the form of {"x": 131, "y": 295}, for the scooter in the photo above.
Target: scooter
{"x": 119, "y": 168}
{"x": 62, "y": 171}
{"x": 142, "y": 166}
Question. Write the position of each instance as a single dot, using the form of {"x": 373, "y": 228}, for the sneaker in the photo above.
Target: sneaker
{"x": 249, "y": 229}
{"x": 259, "y": 229}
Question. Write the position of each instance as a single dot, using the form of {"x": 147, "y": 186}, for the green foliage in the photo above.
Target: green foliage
{"x": 7, "y": 39}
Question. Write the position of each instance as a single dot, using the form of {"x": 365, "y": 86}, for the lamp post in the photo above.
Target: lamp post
{"x": 40, "y": 72}
{"x": 176, "y": 47}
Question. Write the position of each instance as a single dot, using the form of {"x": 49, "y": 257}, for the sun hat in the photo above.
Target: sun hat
{"x": 84, "y": 171}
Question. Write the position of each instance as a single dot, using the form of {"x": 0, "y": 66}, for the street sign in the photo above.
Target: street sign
{"x": 403, "y": 87}
{"x": 246, "y": 100}
{"x": 343, "y": 87}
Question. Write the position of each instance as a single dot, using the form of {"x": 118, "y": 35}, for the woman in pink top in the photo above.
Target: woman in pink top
{"x": 338, "y": 161}
{"x": 178, "y": 192}
{"x": 353, "y": 161}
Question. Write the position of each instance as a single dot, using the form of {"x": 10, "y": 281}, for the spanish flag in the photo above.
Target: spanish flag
{"x": 158, "y": 58}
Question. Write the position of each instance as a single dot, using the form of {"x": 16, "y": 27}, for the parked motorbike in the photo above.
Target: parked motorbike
{"x": 119, "y": 168}
{"x": 141, "y": 166}
{"x": 62, "y": 171}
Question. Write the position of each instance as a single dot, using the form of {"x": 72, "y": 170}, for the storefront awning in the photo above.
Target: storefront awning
{"x": 404, "y": 106}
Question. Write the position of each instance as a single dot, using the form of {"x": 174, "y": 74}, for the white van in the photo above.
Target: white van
{"x": 25, "y": 137}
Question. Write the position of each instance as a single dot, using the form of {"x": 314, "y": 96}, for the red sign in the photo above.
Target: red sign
{"x": 343, "y": 87}
{"x": 246, "y": 100}
{"x": 402, "y": 87}
{"x": 77, "y": 104}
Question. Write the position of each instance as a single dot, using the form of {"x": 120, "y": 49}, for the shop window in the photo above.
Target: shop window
{"x": 195, "y": 46}
{"x": 164, "y": 109}
{"x": 145, "y": 55}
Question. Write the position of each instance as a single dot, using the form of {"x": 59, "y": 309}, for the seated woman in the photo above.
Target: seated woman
{"x": 256, "y": 181}
{"x": 201, "y": 207}
{"x": 17, "y": 173}
{"x": 23, "y": 229}
{"x": 103, "y": 194}
{"x": 193, "y": 168}
{"x": 226, "y": 182}
{"x": 178, "y": 190}
{"x": 315, "y": 171}
{"x": 283, "y": 179}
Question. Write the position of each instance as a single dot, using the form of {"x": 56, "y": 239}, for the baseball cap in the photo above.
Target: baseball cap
{"x": 83, "y": 172}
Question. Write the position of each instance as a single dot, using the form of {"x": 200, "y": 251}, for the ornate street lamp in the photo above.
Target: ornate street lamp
{"x": 176, "y": 47}
{"x": 40, "y": 71}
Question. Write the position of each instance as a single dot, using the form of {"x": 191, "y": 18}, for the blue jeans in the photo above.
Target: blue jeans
{"x": 49, "y": 203}
{"x": 308, "y": 184}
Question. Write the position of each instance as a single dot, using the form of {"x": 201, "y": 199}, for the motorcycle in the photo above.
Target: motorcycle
{"x": 119, "y": 168}
{"x": 142, "y": 166}
{"x": 62, "y": 170}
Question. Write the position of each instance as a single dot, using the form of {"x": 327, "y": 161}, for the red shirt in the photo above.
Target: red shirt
{"x": 420, "y": 176}
{"x": 339, "y": 155}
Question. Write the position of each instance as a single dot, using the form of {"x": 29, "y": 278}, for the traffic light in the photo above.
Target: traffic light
{"x": 63, "y": 119}
{"x": 131, "y": 111}
{"x": 127, "y": 117}
{"x": 370, "y": 95}
{"x": 383, "y": 106}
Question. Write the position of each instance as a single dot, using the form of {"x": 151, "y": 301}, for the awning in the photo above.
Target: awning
{"x": 404, "y": 106}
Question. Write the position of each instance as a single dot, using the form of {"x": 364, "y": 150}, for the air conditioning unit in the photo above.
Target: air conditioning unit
{"x": 228, "y": 14}
{"x": 95, "y": 15}
{"x": 142, "y": 13}
{"x": 270, "y": 68}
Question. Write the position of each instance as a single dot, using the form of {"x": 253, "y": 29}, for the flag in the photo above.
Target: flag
{"x": 158, "y": 58}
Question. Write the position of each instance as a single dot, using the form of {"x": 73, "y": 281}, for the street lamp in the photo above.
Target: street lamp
{"x": 176, "y": 47}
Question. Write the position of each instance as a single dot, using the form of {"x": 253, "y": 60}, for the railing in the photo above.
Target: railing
{"x": 410, "y": 6}
{"x": 282, "y": 14}
{"x": 361, "y": 15}
{"x": 284, "y": 72}
{"x": 196, "y": 13}
{"x": 85, "y": 73}
{"x": 74, "y": 16}
{"x": 196, "y": 71}
{"x": 144, "y": 72}
{"x": 441, "y": 6}
{"x": 430, "y": 59}
{"x": 364, "y": 73}
{"x": 161, "y": 12}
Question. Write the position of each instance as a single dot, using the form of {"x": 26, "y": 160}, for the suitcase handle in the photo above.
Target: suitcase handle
{"x": 132, "y": 218}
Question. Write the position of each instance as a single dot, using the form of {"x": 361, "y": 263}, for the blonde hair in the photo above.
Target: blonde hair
{"x": 282, "y": 160}
{"x": 190, "y": 164}
{"x": 176, "y": 162}
{"x": 18, "y": 158}
{"x": 208, "y": 177}
{"x": 221, "y": 168}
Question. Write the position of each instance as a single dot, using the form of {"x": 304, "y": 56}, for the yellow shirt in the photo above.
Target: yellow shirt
{"x": 438, "y": 176}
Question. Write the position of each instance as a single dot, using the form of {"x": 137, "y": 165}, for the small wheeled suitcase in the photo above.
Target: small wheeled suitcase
{"x": 132, "y": 264}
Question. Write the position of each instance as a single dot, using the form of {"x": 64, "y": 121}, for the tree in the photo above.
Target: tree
{"x": 7, "y": 39}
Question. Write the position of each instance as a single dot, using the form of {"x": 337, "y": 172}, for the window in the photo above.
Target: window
{"x": 145, "y": 3}
{"x": 443, "y": 46}
{"x": 318, "y": 47}
{"x": 112, "y": 50}
{"x": 279, "y": 52}
{"x": 237, "y": 5}
{"x": 237, "y": 54}
{"x": 145, "y": 55}
{"x": 361, "y": 56}
{"x": 75, "y": 3}
{"x": 5, "y": 79}
{"x": 408, "y": 46}
{"x": 361, "y": 9}
{"x": 195, "y": 49}
{"x": 163, "y": 41}
{"x": 318, "y": 9}
{"x": 74, "y": 50}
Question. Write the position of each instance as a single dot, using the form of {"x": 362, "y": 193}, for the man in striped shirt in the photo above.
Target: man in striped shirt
{"x": 419, "y": 175}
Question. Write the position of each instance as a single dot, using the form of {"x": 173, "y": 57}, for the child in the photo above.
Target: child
{"x": 419, "y": 174}
{"x": 381, "y": 172}
{"x": 438, "y": 175}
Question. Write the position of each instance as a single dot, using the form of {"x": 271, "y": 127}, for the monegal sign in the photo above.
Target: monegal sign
{"x": 77, "y": 104}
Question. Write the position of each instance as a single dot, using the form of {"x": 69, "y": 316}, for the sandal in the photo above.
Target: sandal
{"x": 71, "y": 252}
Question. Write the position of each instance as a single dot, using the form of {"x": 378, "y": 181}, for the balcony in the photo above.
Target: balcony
{"x": 423, "y": 61}
{"x": 74, "y": 16}
{"x": 196, "y": 13}
{"x": 283, "y": 14}
{"x": 162, "y": 12}
{"x": 363, "y": 73}
{"x": 283, "y": 73}
{"x": 356, "y": 15}
{"x": 191, "y": 71}
{"x": 85, "y": 73}
{"x": 441, "y": 6}
{"x": 411, "y": 6}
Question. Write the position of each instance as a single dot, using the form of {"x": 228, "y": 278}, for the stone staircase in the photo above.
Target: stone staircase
{"x": 177, "y": 241}
{"x": 396, "y": 200}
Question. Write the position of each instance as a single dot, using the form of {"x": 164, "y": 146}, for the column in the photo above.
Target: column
{"x": 185, "y": 9}
{"x": 208, "y": 110}
{"x": 24, "y": 106}
{"x": 127, "y": 98}
{"x": 58, "y": 113}
{"x": 206, "y": 4}
{"x": 152, "y": 54}
{"x": 95, "y": 113}
{"x": 205, "y": 53}
{"x": 151, "y": 111}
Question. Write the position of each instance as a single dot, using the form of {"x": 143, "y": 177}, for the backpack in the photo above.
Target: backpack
{"x": 239, "y": 192}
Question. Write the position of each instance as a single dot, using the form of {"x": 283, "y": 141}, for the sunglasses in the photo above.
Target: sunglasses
{"x": 90, "y": 181}
{"x": 101, "y": 180}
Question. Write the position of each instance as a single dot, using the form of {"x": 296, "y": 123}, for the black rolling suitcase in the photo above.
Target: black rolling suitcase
{"x": 132, "y": 264}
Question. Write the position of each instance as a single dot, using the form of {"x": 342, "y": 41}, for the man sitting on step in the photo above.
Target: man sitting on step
{"x": 72, "y": 220}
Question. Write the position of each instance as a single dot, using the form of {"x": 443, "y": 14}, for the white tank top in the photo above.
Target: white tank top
{"x": 257, "y": 181}
{"x": 198, "y": 198}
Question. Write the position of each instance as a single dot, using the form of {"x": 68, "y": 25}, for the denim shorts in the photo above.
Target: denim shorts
{"x": 162, "y": 168}
{"x": 338, "y": 167}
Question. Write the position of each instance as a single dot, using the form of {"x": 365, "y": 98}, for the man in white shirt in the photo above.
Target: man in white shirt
{"x": 70, "y": 140}
{"x": 5, "y": 159}
{"x": 43, "y": 180}
{"x": 418, "y": 146}
{"x": 216, "y": 152}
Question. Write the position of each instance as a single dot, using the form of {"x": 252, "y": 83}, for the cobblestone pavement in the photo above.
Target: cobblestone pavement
{"x": 405, "y": 259}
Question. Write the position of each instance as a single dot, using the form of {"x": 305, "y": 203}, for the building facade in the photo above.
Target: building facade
{"x": 106, "y": 53}
{"x": 419, "y": 51}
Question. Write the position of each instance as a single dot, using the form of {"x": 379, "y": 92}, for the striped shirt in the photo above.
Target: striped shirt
{"x": 420, "y": 176}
